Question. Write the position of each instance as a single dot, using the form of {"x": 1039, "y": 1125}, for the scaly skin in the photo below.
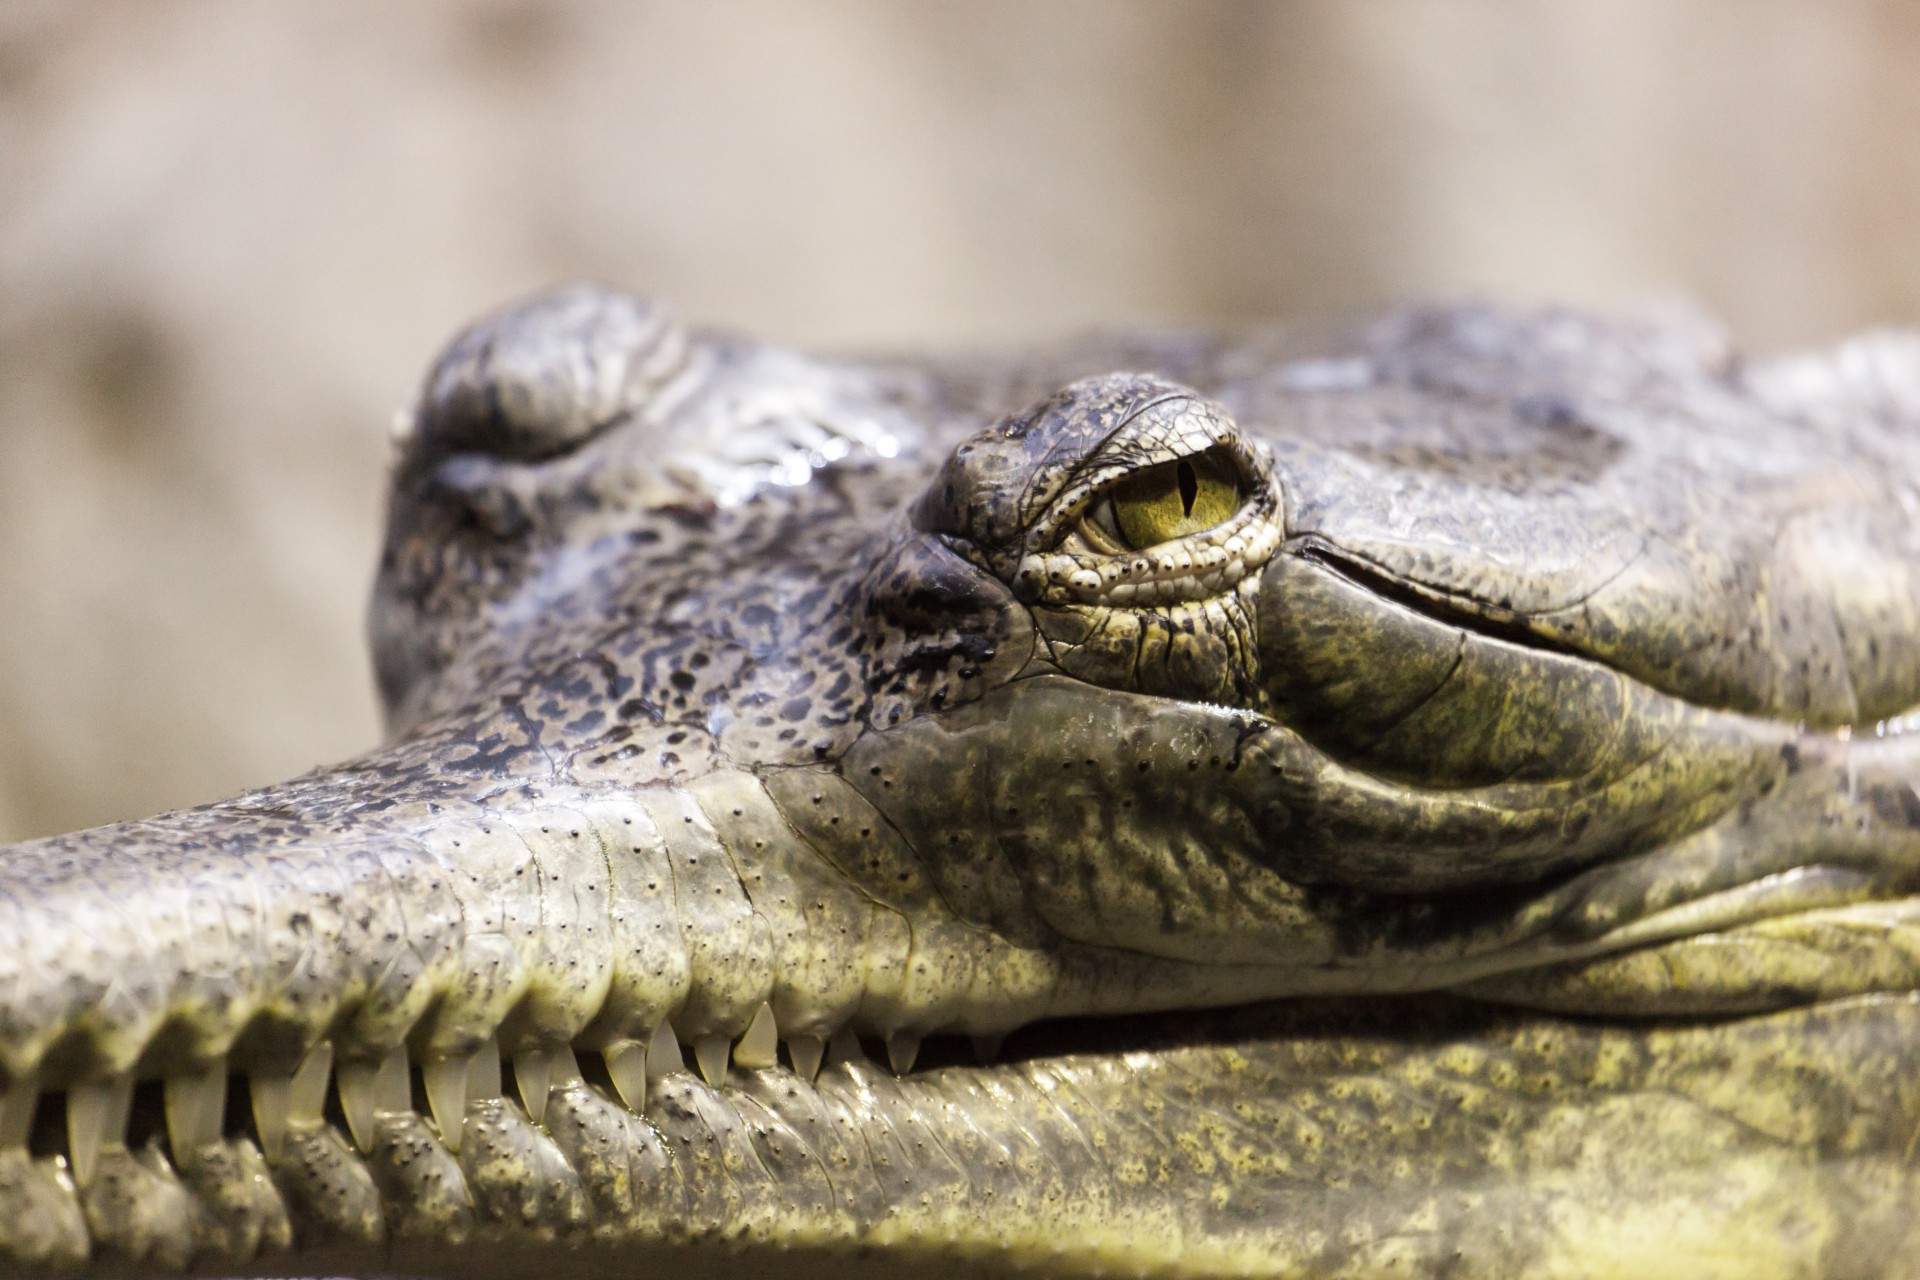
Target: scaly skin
{"x": 1486, "y": 844}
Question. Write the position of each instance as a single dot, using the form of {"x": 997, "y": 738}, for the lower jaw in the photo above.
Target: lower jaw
{"x": 1412, "y": 1134}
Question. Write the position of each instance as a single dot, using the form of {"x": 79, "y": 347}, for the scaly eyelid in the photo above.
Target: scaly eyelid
{"x": 1072, "y": 558}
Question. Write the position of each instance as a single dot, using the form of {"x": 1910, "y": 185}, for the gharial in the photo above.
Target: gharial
{"x": 1435, "y": 795}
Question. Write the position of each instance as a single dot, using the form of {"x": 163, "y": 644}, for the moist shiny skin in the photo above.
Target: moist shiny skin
{"x": 1431, "y": 795}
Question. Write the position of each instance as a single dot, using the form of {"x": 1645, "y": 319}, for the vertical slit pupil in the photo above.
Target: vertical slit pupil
{"x": 1189, "y": 485}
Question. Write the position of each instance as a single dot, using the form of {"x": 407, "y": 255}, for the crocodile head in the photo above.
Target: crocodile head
{"x": 1433, "y": 796}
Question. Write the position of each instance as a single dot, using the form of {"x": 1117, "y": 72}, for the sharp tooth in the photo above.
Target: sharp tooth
{"x": 307, "y": 1091}
{"x": 902, "y": 1048}
{"x": 393, "y": 1086}
{"x": 663, "y": 1053}
{"x": 446, "y": 1082}
{"x": 806, "y": 1052}
{"x": 282, "y": 1102}
{"x": 96, "y": 1117}
{"x": 533, "y": 1072}
{"x": 564, "y": 1068}
{"x": 483, "y": 1073}
{"x": 627, "y": 1064}
{"x": 356, "y": 1099}
{"x": 845, "y": 1047}
{"x": 270, "y": 1113}
{"x": 711, "y": 1053}
{"x": 759, "y": 1048}
{"x": 986, "y": 1049}
{"x": 196, "y": 1106}
{"x": 17, "y": 1106}
{"x": 370, "y": 1088}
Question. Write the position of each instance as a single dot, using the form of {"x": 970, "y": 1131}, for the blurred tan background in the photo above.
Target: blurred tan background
{"x": 232, "y": 234}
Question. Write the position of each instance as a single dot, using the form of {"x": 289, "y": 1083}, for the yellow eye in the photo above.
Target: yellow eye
{"x": 1175, "y": 499}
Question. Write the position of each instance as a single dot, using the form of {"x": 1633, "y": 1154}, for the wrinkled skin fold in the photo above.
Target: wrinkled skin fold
{"x": 1437, "y": 795}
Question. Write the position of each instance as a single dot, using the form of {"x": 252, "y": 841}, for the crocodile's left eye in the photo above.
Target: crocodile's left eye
{"x": 1172, "y": 500}
{"x": 1132, "y": 520}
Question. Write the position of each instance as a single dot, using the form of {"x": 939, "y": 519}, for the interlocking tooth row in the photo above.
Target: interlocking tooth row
{"x": 584, "y": 927}
{"x": 196, "y": 1103}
